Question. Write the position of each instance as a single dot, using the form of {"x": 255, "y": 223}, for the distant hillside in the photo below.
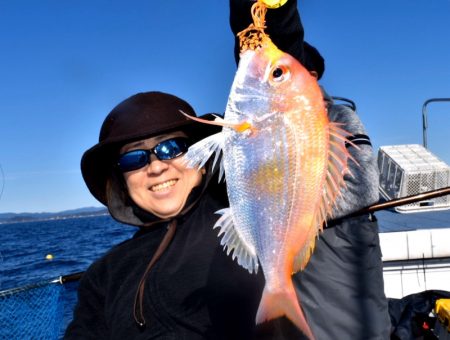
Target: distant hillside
{"x": 28, "y": 217}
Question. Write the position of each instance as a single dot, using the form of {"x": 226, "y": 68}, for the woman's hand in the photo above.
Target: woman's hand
{"x": 274, "y": 3}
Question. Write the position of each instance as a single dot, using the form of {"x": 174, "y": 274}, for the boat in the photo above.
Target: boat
{"x": 415, "y": 237}
{"x": 414, "y": 223}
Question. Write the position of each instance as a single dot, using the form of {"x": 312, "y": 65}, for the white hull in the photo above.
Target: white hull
{"x": 414, "y": 261}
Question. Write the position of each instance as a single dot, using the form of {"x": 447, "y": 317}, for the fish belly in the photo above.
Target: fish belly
{"x": 274, "y": 181}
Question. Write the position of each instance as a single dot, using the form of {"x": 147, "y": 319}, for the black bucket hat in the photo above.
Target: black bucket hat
{"x": 312, "y": 60}
{"x": 141, "y": 116}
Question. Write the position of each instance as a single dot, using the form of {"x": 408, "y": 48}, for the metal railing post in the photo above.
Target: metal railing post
{"x": 425, "y": 119}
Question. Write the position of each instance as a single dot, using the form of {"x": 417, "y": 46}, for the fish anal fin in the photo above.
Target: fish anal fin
{"x": 303, "y": 257}
{"x": 283, "y": 303}
{"x": 243, "y": 250}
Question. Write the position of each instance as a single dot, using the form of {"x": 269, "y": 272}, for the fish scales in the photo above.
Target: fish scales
{"x": 259, "y": 201}
{"x": 276, "y": 156}
{"x": 272, "y": 167}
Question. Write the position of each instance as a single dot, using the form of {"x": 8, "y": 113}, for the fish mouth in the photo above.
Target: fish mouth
{"x": 264, "y": 117}
{"x": 163, "y": 186}
{"x": 252, "y": 103}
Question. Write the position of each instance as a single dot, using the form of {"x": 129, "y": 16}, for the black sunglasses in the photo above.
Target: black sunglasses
{"x": 168, "y": 149}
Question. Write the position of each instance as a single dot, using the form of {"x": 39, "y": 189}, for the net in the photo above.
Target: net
{"x": 32, "y": 312}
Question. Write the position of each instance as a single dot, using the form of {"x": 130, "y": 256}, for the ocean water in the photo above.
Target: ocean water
{"x": 73, "y": 244}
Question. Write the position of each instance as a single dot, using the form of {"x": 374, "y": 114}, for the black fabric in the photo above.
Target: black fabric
{"x": 195, "y": 291}
{"x": 312, "y": 60}
{"x": 410, "y": 312}
{"x": 358, "y": 139}
{"x": 341, "y": 289}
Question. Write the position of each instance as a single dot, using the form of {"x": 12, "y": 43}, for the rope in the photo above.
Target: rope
{"x": 254, "y": 36}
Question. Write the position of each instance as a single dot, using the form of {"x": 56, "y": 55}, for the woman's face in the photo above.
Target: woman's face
{"x": 161, "y": 187}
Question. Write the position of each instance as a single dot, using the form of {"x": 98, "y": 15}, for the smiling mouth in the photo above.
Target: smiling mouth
{"x": 163, "y": 186}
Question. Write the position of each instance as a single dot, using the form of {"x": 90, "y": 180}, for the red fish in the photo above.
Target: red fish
{"x": 284, "y": 164}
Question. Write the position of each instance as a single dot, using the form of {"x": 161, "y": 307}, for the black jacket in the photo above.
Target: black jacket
{"x": 194, "y": 291}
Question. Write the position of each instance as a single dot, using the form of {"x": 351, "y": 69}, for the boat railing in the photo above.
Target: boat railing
{"x": 425, "y": 117}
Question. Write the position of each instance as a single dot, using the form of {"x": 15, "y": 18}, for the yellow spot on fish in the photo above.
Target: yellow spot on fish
{"x": 243, "y": 127}
{"x": 269, "y": 177}
{"x": 49, "y": 257}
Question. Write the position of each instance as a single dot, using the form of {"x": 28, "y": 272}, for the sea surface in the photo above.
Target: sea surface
{"x": 34, "y": 252}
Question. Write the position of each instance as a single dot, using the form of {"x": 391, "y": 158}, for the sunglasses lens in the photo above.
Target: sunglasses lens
{"x": 165, "y": 150}
{"x": 171, "y": 148}
{"x": 133, "y": 160}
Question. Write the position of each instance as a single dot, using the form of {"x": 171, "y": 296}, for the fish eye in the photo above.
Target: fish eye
{"x": 279, "y": 74}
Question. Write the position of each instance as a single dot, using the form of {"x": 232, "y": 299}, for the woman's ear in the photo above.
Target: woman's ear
{"x": 314, "y": 74}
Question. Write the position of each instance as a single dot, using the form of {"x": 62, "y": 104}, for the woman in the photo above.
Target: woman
{"x": 172, "y": 280}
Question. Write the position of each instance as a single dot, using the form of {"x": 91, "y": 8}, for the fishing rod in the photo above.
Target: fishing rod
{"x": 392, "y": 204}
{"x": 404, "y": 200}
{"x": 70, "y": 278}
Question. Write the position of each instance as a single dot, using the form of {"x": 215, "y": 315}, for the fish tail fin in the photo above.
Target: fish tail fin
{"x": 282, "y": 303}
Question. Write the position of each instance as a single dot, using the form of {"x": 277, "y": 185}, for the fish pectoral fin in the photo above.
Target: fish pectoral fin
{"x": 233, "y": 241}
{"x": 199, "y": 153}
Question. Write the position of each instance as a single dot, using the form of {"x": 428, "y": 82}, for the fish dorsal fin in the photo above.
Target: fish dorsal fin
{"x": 338, "y": 157}
{"x": 199, "y": 153}
{"x": 233, "y": 241}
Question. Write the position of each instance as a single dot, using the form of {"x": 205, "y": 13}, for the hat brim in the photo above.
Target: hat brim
{"x": 99, "y": 162}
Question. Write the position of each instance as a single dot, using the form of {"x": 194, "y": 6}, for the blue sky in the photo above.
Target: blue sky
{"x": 65, "y": 64}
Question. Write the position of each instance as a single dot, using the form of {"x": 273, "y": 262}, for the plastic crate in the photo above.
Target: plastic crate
{"x": 411, "y": 169}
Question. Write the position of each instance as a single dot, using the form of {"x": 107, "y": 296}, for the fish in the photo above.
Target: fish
{"x": 284, "y": 164}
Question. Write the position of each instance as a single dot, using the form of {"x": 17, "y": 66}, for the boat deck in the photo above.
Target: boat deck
{"x": 391, "y": 221}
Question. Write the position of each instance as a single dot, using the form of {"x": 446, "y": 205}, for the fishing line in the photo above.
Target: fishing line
{"x": 1, "y": 263}
{"x": 1, "y": 194}
{"x": 3, "y": 181}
